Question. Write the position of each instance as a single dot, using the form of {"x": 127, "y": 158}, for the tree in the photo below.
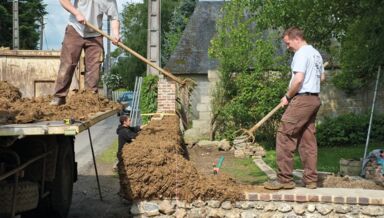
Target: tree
{"x": 356, "y": 26}
{"x": 251, "y": 82}
{"x": 179, "y": 20}
{"x": 30, "y": 14}
{"x": 135, "y": 25}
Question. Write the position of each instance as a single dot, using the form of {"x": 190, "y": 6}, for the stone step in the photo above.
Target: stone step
{"x": 203, "y": 88}
{"x": 200, "y": 107}
{"x": 205, "y": 99}
{"x": 204, "y": 115}
{"x": 200, "y": 124}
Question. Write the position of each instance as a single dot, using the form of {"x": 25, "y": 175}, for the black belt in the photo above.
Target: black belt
{"x": 308, "y": 93}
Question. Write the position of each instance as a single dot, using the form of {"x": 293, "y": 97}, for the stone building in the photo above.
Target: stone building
{"x": 191, "y": 60}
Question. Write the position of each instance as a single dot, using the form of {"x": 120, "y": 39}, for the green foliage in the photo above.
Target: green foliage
{"x": 112, "y": 80}
{"x": 247, "y": 47}
{"x": 135, "y": 29}
{"x": 349, "y": 130}
{"x": 148, "y": 98}
{"x": 363, "y": 44}
{"x": 179, "y": 19}
{"x": 134, "y": 33}
{"x": 248, "y": 88}
{"x": 30, "y": 14}
{"x": 347, "y": 81}
{"x": 357, "y": 26}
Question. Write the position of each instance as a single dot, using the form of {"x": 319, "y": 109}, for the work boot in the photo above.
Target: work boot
{"x": 276, "y": 185}
{"x": 56, "y": 101}
{"x": 311, "y": 185}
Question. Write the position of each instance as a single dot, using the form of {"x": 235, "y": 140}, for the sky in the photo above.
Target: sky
{"x": 57, "y": 19}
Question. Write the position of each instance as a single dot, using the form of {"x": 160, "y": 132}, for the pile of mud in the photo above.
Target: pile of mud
{"x": 155, "y": 166}
{"x": 350, "y": 182}
{"x": 14, "y": 109}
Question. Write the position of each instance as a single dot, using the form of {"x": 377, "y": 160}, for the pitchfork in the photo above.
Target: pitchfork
{"x": 164, "y": 72}
{"x": 249, "y": 133}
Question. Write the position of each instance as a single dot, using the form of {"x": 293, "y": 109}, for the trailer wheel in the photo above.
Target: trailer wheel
{"x": 27, "y": 197}
{"x": 62, "y": 186}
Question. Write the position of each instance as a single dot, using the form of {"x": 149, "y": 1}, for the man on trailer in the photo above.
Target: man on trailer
{"x": 77, "y": 37}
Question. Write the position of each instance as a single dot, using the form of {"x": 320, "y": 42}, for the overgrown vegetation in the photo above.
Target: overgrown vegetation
{"x": 31, "y": 13}
{"x": 248, "y": 48}
{"x": 349, "y": 130}
{"x": 251, "y": 83}
{"x": 148, "y": 98}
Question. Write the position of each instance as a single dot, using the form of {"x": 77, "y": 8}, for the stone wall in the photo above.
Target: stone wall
{"x": 336, "y": 102}
{"x": 257, "y": 208}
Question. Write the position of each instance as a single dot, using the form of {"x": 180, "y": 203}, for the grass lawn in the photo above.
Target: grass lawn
{"x": 244, "y": 171}
{"x": 328, "y": 157}
{"x": 109, "y": 155}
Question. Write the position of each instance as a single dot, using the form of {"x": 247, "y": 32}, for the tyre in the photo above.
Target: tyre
{"x": 27, "y": 197}
{"x": 62, "y": 186}
{"x": 58, "y": 202}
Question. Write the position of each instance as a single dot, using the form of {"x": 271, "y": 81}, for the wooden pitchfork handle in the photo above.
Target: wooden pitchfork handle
{"x": 262, "y": 121}
{"x": 250, "y": 132}
{"x": 121, "y": 45}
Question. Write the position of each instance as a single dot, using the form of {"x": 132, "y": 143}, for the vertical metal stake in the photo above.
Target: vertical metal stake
{"x": 94, "y": 164}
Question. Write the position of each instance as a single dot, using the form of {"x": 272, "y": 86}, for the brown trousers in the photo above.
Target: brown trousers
{"x": 70, "y": 54}
{"x": 297, "y": 128}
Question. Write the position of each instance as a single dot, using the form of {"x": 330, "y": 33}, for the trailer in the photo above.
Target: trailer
{"x": 37, "y": 160}
{"x": 38, "y": 166}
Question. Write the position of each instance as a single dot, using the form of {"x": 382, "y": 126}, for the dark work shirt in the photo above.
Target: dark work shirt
{"x": 126, "y": 134}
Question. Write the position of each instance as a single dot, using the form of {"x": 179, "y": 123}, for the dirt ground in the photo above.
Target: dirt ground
{"x": 86, "y": 199}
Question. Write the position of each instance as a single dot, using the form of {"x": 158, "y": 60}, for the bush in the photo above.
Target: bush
{"x": 148, "y": 98}
{"x": 349, "y": 130}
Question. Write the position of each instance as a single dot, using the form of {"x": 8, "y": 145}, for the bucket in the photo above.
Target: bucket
{"x": 350, "y": 167}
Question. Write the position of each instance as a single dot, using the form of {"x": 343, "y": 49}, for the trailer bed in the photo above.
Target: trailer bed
{"x": 54, "y": 127}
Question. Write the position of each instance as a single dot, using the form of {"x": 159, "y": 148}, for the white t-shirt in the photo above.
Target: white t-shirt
{"x": 93, "y": 11}
{"x": 308, "y": 61}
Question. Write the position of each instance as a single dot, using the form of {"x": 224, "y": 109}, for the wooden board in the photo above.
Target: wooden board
{"x": 54, "y": 127}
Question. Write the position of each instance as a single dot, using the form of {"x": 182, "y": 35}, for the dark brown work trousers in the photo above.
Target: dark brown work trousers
{"x": 70, "y": 54}
{"x": 297, "y": 128}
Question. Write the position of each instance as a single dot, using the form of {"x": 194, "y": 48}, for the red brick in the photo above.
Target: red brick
{"x": 313, "y": 198}
{"x": 339, "y": 200}
{"x": 364, "y": 201}
{"x": 289, "y": 198}
{"x": 265, "y": 197}
{"x": 277, "y": 197}
{"x": 253, "y": 196}
{"x": 327, "y": 199}
{"x": 301, "y": 198}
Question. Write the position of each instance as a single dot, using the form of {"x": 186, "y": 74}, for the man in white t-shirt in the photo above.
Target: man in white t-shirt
{"x": 297, "y": 127}
{"x": 78, "y": 37}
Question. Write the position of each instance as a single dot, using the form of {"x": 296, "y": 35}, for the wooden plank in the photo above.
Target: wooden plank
{"x": 54, "y": 127}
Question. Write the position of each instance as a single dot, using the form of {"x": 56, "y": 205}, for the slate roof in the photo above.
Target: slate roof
{"x": 191, "y": 54}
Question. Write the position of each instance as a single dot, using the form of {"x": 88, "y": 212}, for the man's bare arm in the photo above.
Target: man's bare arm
{"x": 115, "y": 24}
{"x": 296, "y": 84}
{"x": 322, "y": 77}
{"x": 67, "y": 5}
